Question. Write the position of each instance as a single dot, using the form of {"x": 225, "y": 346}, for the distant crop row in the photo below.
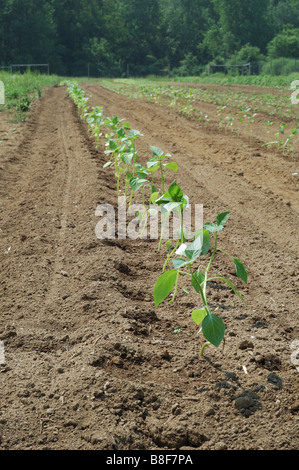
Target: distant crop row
{"x": 188, "y": 260}
{"x": 236, "y": 111}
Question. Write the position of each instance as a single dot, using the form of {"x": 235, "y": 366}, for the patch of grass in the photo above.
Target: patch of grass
{"x": 21, "y": 90}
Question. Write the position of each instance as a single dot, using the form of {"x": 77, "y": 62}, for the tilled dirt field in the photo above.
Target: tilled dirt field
{"x": 87, "y": 362}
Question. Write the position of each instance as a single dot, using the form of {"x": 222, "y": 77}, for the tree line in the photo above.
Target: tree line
{"x": 144, "y": 37}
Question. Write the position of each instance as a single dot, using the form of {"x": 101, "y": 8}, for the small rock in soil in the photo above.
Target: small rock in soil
{"x": 243, "y": 402}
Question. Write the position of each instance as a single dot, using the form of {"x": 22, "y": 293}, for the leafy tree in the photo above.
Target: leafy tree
{"x": 285, "y": 44}
{"x": 28, "y": 32}
{"x": 243, "y": 22}
{"x": 106, "y": 62}
{"x": 142, "y": 36}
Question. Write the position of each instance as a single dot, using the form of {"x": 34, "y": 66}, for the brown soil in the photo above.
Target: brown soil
{"x": 89, "y": 362}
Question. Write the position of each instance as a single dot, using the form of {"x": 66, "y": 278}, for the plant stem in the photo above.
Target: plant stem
{"x": 176, "y": 287}
{"x": 162, "y": 176}
{"x": 203, "y": 347}
{"x": 170, "y": 255}
{"x": 209, "y": 265}
{"x": 181, "y": 223}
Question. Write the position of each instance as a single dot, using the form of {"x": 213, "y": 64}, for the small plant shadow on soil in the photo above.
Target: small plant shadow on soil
{"x": 247, "y": 402}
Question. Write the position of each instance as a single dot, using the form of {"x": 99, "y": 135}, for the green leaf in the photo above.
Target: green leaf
{"x": 198, "y": 315}
{"x": 136, "y": 183}
{"x": 164, "y": 199}
{"x": 171, "y": 166}
{"x": 213, "y": 329}
{"x": 175, "y": 192}
{"x": 170, "y": 206}
{"x": 121, "y": 132}
{"x": 107, "y": 164}
{"x": 156, "y": 151}
{"x": 179, "y": 262}
{"x": 197, "y": 279}
{"x": 193, "y": 250}
{"x": 168, "y": 245}
{"x": 127, "y": 157}
{"x": 200, "y": 245}
{"x": 112, "y": 145}
{"x": 212, "y": 227}
{"x": 152, "y": 165}
{"x": 153, "y": 197}
{"x": 134, "y": 133}
{"x": 206, "y": 242}
{"x": 222, "y": 218}
{"x": 240, "y": 270}
{"x": 164, "y": 285}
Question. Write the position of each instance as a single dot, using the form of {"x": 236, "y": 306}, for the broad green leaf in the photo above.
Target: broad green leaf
{"x": 127, "y": 157}
{"x": 113, "y": 145}
{"x": 198, "y": 315}
{"x": 175, "y": 192}
{"x": 153, "y": 168}
{"x": 154, "y": 196}
{"x": 240, "y": 270}
{"x": 206, "y": 242}
{"x": 193, "y": 250}
{"x": 107, "y": 164}
{"x": 185, "y": 200}
{"x": 156, "y": 151}
{"x": 222, "y": 218}
{"x": 164, "y": 199}
{"x": 213, "y": 329}
{"x": 153, "y": 165}
{"x": 121, "y": 132}
{"x": 212, "y": 227}
{"x": 142, "y": 173}
{"x": 139, "y": 167}
{"x": 136, "y": 183}
{"x": 179, "y": 262}
{"x": 197, "y": 279}
{"x": 170, "y": 206}
{"x": 171, "y": 166}
{"x": 134, "y": 133}
{"x": 164, "y": 285}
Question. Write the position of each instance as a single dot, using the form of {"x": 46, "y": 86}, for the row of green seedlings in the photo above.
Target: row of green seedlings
{"x": 227, "y": 121}
{"x": 286, "y": 144}
{"x": 190, "y": 260}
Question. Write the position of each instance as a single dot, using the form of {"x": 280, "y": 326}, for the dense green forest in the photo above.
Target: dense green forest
{"x": 140, "y": 37}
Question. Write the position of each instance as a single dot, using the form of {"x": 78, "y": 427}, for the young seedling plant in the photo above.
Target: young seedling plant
{"x": 174, "y": 200}
{"x": 156, "y": 163}
{"x": 145, "y": 178}
{"x": 185, "y": 264}
{"x": 95, "y": 120}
